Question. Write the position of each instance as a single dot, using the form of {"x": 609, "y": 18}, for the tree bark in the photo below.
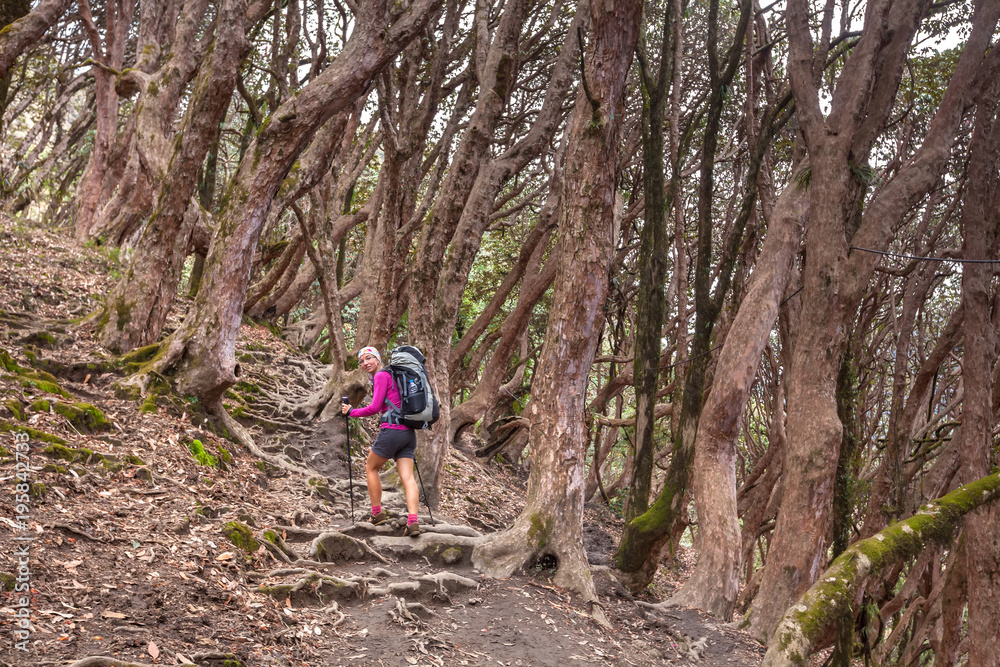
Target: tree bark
{"x": 204, "y": 345}
{"x": 139, "y": 304}
{"x": 644, "y": 536}
{"x": 981, "y": 224}
{"x": 810, "y": 619}
{"x": 551, "y": 522}
{"x": 834, "y": 277}
{"x": 27, "y": 29}
{"x": 461, "y": 215}
{"x": 108, "y": 64}
{"x": 714, "y": 584}
{"x": 650, "y": 301}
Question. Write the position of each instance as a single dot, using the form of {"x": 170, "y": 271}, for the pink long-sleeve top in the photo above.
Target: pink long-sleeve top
{"x": 384, "y": 396}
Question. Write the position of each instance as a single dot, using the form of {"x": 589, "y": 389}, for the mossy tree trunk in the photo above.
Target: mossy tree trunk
{"x": 551, "y": 522}
{"x": 809, "y": 620}
{"x": 203, "y": 347}
{"x": 650, "y": 302}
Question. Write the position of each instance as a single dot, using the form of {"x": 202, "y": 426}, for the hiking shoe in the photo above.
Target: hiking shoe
{"x": 411, "y": 530}
{"x": 379, "y": 518}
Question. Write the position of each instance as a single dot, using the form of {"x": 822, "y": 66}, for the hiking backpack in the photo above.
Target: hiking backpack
{"x": 419, "y": 407}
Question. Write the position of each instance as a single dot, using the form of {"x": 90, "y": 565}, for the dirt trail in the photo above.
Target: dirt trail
{"x": 156, "y": 541}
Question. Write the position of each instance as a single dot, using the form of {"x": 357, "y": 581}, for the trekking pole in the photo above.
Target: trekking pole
{"x": 350, "y": 472}
{"x": 417, "y": 468}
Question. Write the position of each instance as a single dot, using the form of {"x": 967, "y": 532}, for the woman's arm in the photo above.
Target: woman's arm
{"x": 381, "y": 388}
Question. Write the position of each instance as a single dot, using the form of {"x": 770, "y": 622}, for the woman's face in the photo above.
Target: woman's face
{"x": 369, "y": 363}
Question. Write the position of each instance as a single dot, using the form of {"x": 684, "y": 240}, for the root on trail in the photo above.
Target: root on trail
{"x": 333, "y": 546}
{"x": 315, "y": 585}
{"x": 243, "y": 436}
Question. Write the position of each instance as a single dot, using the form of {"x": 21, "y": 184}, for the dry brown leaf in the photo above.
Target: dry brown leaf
{"x": 153, "y": 650}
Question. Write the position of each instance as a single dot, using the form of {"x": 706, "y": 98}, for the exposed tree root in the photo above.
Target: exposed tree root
{"x": 315, "y": 585}
{"x": 243, "y": 436}
{"x": 102, "y": 661}
{"x": 499, "y": 555}
{"x": 332, "y": 546}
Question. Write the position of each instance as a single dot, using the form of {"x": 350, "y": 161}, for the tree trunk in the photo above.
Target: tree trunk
{"x": 714, "y": 584}
{"x": 28, "y": 27}
{"x": 108, "y": 64}
{"x": 834, "y": 277}
{"x": 650, "y": 300}
{"x": 204, "y": 345}
{"x": 461, "y": 215}
{"x": 551, "y": 522}
{"x": 644, "y": 537}
{"x": 22, "y": 27}
{"x": 981, "y": 224}
{"x": 139, "y": 304}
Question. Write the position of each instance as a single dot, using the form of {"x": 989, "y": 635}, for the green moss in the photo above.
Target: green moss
{"x": 81, "y": 455}
{"x": 15, "y": 408}
{"x": 38, "y": 490}
{"x": 272, "y": 537}
{"x": 52, "y": 467}
{"x": 260, "y": 465}
{"x": 44, "y": 385}
{"x": 139, "y": 356}
{"x": 540, "y": 531}
{"x": 34, "y": 434}
{"x": 42, "y": 339}
{"x": 203, "y": 457}
{"x": 7, "y": 581}
{"x": 225, "y": 456}
{"x": 7, "y": 362}
{"x": 241, "y": 536}
{"x": 83, "y": 416}
{"x": 148, "y": 405}
{"x": 5, "y": 453}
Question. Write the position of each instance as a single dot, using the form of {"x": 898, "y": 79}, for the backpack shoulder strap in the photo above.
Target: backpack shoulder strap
{"x": 394, "y": 378}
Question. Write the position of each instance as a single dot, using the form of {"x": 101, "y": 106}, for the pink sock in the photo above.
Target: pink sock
{"x": 411, "y": 519}
{"x": 376, "y": 509}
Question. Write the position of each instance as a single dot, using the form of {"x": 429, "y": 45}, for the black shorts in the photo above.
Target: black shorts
{"x": 394, "y": 443}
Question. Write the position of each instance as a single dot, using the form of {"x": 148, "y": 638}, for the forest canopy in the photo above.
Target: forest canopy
{"x": 728, "y": 269}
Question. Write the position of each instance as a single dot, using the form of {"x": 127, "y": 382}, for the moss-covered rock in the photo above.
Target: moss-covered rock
{"x": 83, "y": 416}
{"x": 81, "y": 455}
{"x": 40, "y": 338}
{"x": 45, "y": 386}
{"x": 34, "y": 434}
{"x": 15, "y": 408}
{"x": 241, "y": 536}
{"x": 7, "y": 581}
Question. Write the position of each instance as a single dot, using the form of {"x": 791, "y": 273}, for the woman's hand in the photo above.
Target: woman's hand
{"x": 345, "y": 408}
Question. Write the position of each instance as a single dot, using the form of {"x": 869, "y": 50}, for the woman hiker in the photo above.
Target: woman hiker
{"x": 394, "y": 441}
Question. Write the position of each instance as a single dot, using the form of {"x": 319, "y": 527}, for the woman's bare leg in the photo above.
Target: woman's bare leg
{"x": 405, "y": 469}
{"x": 373, "y": 464}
